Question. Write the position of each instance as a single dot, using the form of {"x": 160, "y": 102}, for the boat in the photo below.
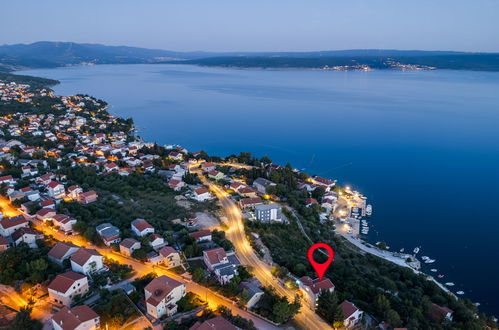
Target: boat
{"x": 425, "y": 258}
{"x": 369, "y": 210}
{"x": 460, "y": 292}
{"x": 477, "y": 304}
{"x": 402, "y": 250}
{"x": 416, "y": 250}
{"x": 433, "y": 270}
{"x": 449, "y": 283}
{"x": 441, "y": 275}
{"x": 429, "y": 261}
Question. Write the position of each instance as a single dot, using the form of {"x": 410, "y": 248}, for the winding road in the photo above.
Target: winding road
{"x": 306, "y": 318}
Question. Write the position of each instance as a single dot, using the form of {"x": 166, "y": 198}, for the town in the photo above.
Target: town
{"x": 100, "y": 229}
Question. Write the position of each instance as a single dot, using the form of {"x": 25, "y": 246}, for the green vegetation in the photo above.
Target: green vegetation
{"x": 34, "y": 82}
{"x": 189, "y": 302}
{"x": 22, "y": 263}
{"x": 122, "y": 199}
{"x": 23, "y": 321}
{"x": 276, "y": 308}
{"x": 115, "y": 308}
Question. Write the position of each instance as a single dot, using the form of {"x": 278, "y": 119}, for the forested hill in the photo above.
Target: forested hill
{"x": 399, "y": 60}
{"x": 46, "y": 54}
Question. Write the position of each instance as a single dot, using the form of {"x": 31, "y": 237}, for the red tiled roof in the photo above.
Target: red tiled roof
{"x": 215, "y": 256}
{"x": 200, "y": 233}
{"x": 53, "y": 184}
{"x": 142, "y": 225}
{"x": 159, "y": 288}
{"x": 83, "y": 255}
{"x": 63, "y": 282}
{"x": 217, "y": 323}
{"x": 11, "y": 222}
{"x": 70, "y": 319}
{"x": 60, "y": 249}
{"x": 201, "y": 191}
{"x": 166, "y": 251}
{"x": 347, "y": 309}
{"x": 317, "y": 285}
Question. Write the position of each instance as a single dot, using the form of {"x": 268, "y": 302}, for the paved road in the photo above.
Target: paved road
{"x": 213, "y": 299}
{"x": 306, "y": 319}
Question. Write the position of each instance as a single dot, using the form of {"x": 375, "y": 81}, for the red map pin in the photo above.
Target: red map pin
{"x": 320, "y": 269}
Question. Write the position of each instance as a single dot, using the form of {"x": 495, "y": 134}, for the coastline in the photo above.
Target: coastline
{"x": 321, "y": 70}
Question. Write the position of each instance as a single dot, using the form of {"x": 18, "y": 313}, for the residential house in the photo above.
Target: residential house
{"x": 66, "y": 286}
{"x": 309, "y": 202}
{"x": 86, "y": 261}
{"x": 64, "y": 222}
{"x": 128, "y": 245}
{"x": 56, "y": 189}
{"x": 45, "y": 214}
{"x": 170, "y": 257}
{"x": 262, "y": 184}
{"x": 250, "y": 202}
{"x": 247, "y": 192}
{"x": 202, "y": 194}
{"x": 87, "y": 197}
{"x": 440, "y": 314}
{"x": 351, "y": 314}
{"x": 7, "y": 180}
{"x": 207, "y": 167}
{"x": 156, "y": 241}
{"x": 268, "y": 213}
{"x": 76, "y": 318}
{"x": 176, "y": 185}
{"x": 110, "y": 234}
{"x": 48, "y": 203}
{"x": 313, "y": 288}
{"x": 217, "y": 323}
{"x": 141, "y": 227}
{"x": 62, "y": 251}
{"x": 216, "y": 175}
{"x": 162, "y": 295}
{"x": 27, "y": 235}
{"x": 9, "y": 225}
{"x": 255, "y": 293}
{"x": 4, "y": 244}
{"x": 214, "y": 257}
{"x": 73, "y": 191}
{"x": 201, "y": 236}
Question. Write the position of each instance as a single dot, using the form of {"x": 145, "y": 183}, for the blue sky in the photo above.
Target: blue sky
{"x": 258, "y": 25}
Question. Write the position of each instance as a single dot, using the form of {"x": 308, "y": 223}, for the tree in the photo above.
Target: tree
{"x": 139, "y": 254}
{"x": 328, "y": 307}
{"x": 283, "y": 311}
{"x": 23, "y": 321}
{"x": 198, "y": 275}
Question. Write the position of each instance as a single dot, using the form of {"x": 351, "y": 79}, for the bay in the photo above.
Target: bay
{"x": 423, "y": 146}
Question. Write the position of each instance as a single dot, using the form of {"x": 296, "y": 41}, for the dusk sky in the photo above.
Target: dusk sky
{"x": 258, "y": 25}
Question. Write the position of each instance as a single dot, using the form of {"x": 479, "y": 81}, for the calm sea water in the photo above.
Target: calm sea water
{"x": 423, "y": 146}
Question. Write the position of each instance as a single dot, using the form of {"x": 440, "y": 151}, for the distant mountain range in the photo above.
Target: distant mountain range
{"x": 46, "y": 54}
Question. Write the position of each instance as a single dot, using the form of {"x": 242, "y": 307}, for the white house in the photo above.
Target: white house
{"x": 141, "y": 227}
{"x": 66, "y": 286}
{"x": 162, "y": 295}
{"x": 201, "y": 236}
{"x": 64, "y": 222}
{"x": 313, "y": 288}
{"x": 214, "y": 257}
{"x": 351, "y": 314}
{"x": 170, "y": 257}
{"x": 128, "y": 245}
{"x": 202, "y": 194}
{"x": 62, "y": 251}
{"x": 56, "y": 189}
{"x": 27, "y": 235}
{"x": 86, "y": 261}
{"x": 76, "y": 318}
{"x": 9, "y": 225}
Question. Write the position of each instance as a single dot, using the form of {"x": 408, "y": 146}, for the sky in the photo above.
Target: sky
{"x": 257, "y": 25}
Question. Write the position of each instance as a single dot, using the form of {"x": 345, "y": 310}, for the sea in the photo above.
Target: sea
{"x": 423, "y": 146}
